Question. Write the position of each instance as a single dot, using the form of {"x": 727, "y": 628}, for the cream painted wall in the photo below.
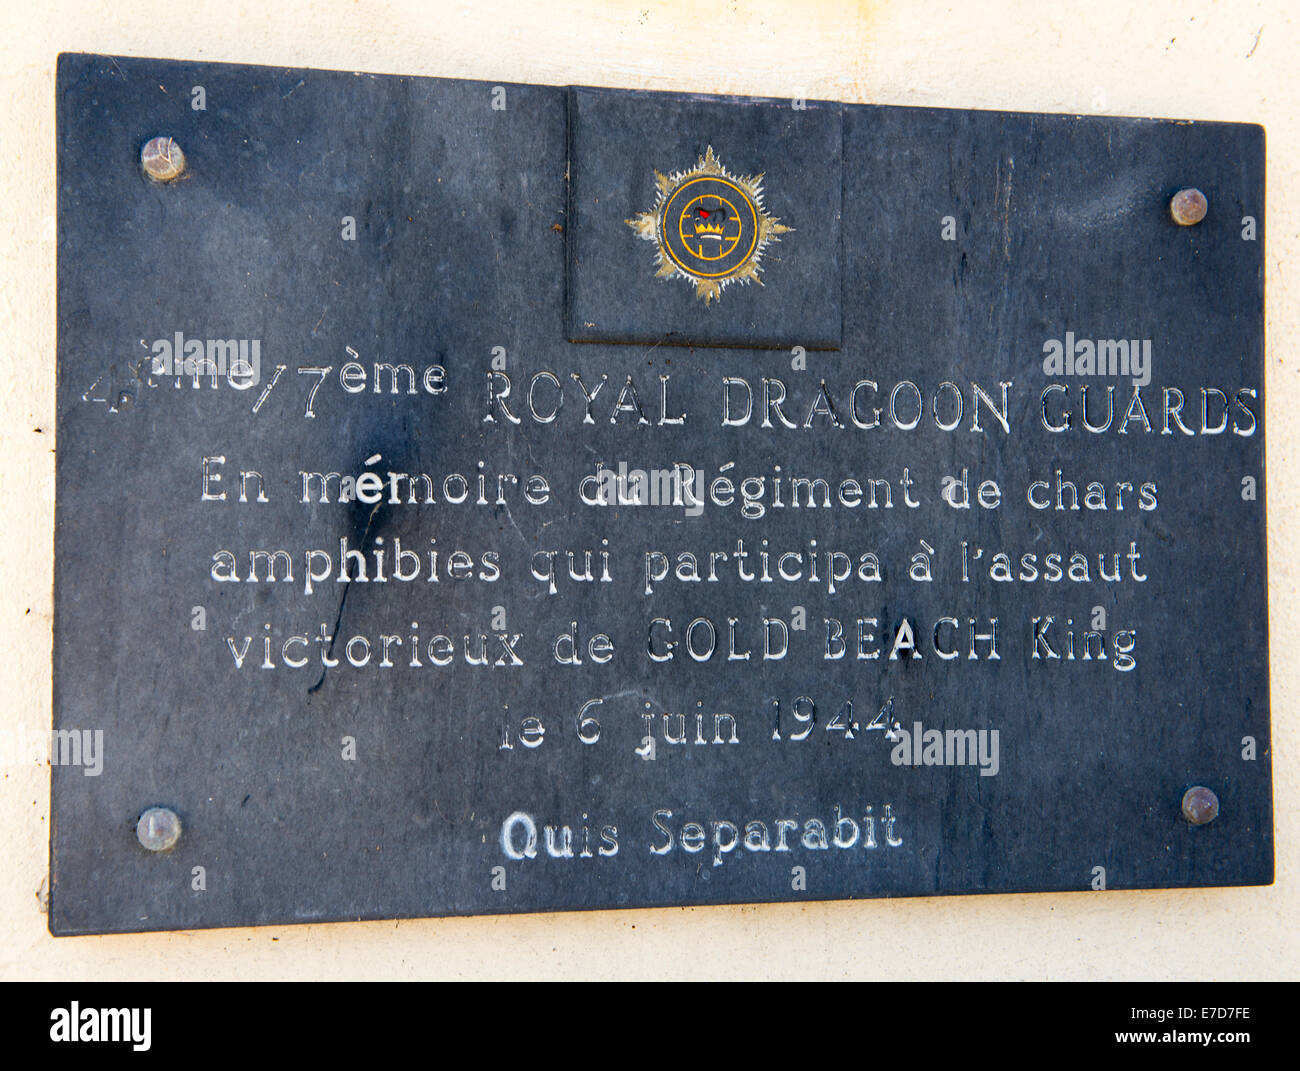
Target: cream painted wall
{"x": 1227, "y": 60}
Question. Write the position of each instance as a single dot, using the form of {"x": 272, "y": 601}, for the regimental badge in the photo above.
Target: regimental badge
{"x": 709, "y": 227}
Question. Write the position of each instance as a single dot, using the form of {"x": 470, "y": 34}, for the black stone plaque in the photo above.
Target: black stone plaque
{"x": 605, "y": 499}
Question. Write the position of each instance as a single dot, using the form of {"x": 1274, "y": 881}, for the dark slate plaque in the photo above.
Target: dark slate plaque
{"x": 948, "y": 386}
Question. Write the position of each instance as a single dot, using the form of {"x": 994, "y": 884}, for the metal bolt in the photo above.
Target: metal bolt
{"x": 158, "y": 829}
{"x": 1200, "y": 805}
{"x": 162, "y": 159}
{"x": 1188, "y": 207}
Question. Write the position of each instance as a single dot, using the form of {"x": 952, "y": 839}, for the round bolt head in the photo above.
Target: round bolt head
{"x": 162, "y": 159}
{"x": 1200, "y": 805}
{"x": 1188, "y": 207}
{"x": 158, "y": 829}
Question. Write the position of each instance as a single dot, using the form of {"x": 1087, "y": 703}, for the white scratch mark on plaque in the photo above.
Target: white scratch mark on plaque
{"x": 1006, "y": 210}
{"x": 511, "y": 518}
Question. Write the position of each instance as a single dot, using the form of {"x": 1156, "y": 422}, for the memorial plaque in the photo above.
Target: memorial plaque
{"x": 484, "y": 498}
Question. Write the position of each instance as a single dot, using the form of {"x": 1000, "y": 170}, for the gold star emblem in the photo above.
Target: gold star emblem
{"x": 709, "y": 227}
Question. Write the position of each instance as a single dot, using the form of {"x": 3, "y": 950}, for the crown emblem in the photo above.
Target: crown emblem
{"x": 709, "y": 227}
